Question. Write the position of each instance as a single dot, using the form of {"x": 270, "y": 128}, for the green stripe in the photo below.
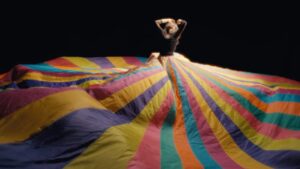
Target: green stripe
{"x": 169, "y": 155}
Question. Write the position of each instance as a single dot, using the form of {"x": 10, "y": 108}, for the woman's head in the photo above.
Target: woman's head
{"x": 171, "y": 28}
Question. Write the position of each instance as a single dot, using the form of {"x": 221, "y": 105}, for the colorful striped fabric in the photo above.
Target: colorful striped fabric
{"x": 127, "y": 112}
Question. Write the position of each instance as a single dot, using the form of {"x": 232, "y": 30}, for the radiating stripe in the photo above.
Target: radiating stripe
{"x": 264, "y": 89}
{"x": 266, "y": 96}
{"x": 221, "y": 134}
{"x": 37, "y": 83}
{"x": 193, "y": 135}
{"x": 258, "y": 99}
{"x": 39, "y": 76}
{"x": 253, "y": 150}
{"x": 122, "y": 97}
{"x": 252, "y": 77}
{"x": 133, "y": 61}
{"x": 61, "y": 62}
{"x": 13, "y": 100}
{"x": 207, "y": 135}
{"x": 181, "y": 141}
{"x": 149, "y": 149}
{"x": 83, "y": 63}
{"x": 39, "y": 114}
{"x": 288, "y": 121}
{"x": 48, "y": 68}
{"x": 142, "y": 59}
{"x": 245, "y": 126}
{"x": 256, "y": 96}
{"x": 59, "y": 143}
{"x": 118, "y": 61}
{"x": 120, "y": 82}
{"x": 169, "y": 155}
{"x": 119, "y": 143}
{"x": 263, "y": 128}
{"x": 103, "y": 62}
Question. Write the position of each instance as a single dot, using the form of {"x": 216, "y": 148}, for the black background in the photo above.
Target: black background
{"x": 250, "y": 37}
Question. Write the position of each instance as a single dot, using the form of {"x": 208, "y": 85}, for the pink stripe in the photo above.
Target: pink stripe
{"x": 210, "y": 141}
{"x": 12, "y": 100}
{"x": 263, "y": 128}
{"x": 148, "y": 153}
{"x": 263, "y": 89}
{"x": 103, "y": 91}
{"x": 133, "y": 61}
{"x": 61, "y": 62}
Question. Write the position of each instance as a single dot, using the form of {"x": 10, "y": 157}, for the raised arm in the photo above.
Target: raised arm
{"x": 181, "y": 25}
{"x": 159, "y": 22}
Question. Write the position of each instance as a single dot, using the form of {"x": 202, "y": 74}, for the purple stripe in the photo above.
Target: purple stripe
{"x": 12, "y": 100}
{"x": 133, "y": 108}
{"x": 103, "y": 91}
{"x": 274, "y": 158}
{"x": 68, "y": 137}
{"x": 205, "y": 131}
{"x": 103, "y": 62}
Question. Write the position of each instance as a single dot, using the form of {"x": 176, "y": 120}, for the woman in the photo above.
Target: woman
{"x": 171, "y": 31}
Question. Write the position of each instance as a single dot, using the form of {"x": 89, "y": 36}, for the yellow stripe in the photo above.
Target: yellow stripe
{"x": 122, "y": 97}
{"x": 273, "y": 107}
{"x": 32, "y": 118}
{"x": 118, "y": 144}
{"x": 118, "y": 62}
{"x": 226, "y": 142}
{"x": 55, "y": 78}
{"x": 265, "y": 142}
{"x": 83, "y": 63}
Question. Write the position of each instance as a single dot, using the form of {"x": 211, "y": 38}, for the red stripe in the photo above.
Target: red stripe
{"x": 61, "y": 62}
{"x": 133, "y": 61}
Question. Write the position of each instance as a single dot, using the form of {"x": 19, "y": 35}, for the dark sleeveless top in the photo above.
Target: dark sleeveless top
{"x": 168, "y": 46}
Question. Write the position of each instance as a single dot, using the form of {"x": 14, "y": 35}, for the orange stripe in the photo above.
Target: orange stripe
{"x": 185, "y": 152}
{"x": 274, "y": 107}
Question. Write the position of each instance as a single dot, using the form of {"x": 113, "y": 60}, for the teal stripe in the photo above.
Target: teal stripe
{"x": 169, "y": 155}
{"x": 287, "y": 121}
{"x": 142, "y": 59}
{"x": 47, "y": 68}
{"x": 277, "y": 97}
{"x": 193, "y": 134}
